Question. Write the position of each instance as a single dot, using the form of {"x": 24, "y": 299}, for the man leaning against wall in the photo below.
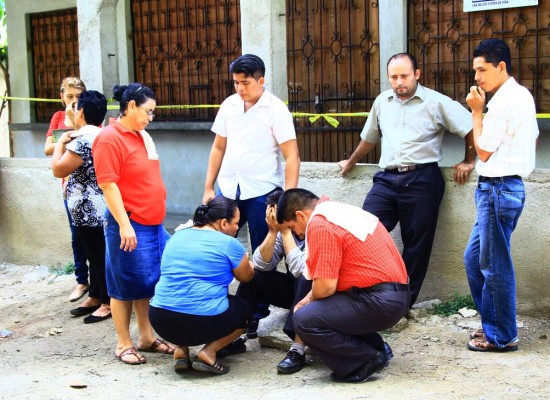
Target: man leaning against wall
{"x": 410, "y": 120}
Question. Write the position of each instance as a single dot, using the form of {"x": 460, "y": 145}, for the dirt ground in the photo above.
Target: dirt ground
{"x": 48, "y": 350}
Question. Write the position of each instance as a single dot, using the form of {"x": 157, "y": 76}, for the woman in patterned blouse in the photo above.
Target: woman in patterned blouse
{"x": 73, "y": 155}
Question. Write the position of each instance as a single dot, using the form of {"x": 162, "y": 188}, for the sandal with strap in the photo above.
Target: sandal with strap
{"x": 181, "y": 365}
{"x": 477, "y": 334}
{"x": 131, "y": 351}
{"x": 217, "y": 368}
{"x": 484, "y": 345}
{"x": 156, "y": 347}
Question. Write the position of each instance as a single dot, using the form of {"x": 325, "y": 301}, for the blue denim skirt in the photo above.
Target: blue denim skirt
{"x": 133, "y": 275}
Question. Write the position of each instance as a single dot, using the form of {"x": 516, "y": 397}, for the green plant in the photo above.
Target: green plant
{"x": 68, "y": 269}
{"x": 456, "y": 303}
{"x": 3, "y": 34}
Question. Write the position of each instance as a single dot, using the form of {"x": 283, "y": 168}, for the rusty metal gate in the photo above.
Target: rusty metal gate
{"x": 443, "y": 38}
{"x": 333, "y": 67}
{"x": 54, "y": 38}
{"x": 182, "y": 50}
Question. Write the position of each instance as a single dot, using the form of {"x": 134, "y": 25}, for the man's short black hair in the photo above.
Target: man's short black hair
{"x": 294, "y": 200}
{"x": 249, "y": 65}
{"x": 274, "y": 196}
{"x": 494, "y": 51}
{"x": 411, "y": 58}
{"x": 94, "y": 107}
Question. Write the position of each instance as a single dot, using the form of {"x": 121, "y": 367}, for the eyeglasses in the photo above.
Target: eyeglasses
{"x": 150, "y": 113}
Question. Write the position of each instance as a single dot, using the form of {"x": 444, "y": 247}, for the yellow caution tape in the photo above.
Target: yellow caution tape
{"x": 329, "y": 117}
{"x": 313, "y": 117}
{"x": 29, "y": 99}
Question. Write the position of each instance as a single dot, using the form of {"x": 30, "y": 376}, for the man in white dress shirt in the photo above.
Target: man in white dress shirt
{"x": 253, "y": 128}
{"x": 505, "y": 142}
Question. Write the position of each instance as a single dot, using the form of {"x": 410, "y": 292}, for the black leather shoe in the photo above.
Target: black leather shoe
{"x": 293, "y": 362}
{"x": 252, "y": 330}
{"x": 79, "y": 311}
{"x": 235, "y": 347}
{"x": 92, "y": 319}
{"x": 364, "y": 372}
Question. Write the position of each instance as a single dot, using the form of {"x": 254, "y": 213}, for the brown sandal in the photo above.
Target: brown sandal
{"x": 484, "y": 345}
{"x": 477, "y": 334}
{"x": 217, "y": 368}
{"x": 131, "y": 351}
{"x": 155, "y": 347}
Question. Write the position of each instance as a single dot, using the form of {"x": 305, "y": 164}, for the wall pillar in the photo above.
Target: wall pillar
{"x": 263, "y": 32}
{"x": 97, "y": 31}
{"x": 393, "y": 34}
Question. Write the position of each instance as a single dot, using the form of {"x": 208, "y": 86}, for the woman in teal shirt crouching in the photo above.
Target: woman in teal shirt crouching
{"x": 191, "y": 305}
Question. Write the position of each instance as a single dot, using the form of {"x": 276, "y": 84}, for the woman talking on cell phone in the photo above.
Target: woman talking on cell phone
{"x": 69, "y": 92}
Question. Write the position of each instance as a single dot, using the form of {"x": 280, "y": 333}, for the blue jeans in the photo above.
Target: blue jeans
{"x": 79, "y": 255}
{"x": 488, "y": 261}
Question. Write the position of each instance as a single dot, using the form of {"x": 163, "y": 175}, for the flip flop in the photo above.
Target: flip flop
{"x": 181, "y": 365}
{"x": 477, "y": 334}
{"x": 131, "y": 351}
{"x": 217, "y": 368}
{"x": 484, "y": 345}
{"x": 155, "y": 347}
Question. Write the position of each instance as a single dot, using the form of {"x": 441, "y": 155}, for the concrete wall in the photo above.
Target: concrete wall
{"x": 184, "y": 157}
{"x": 33, "y": 228}
{"x": 183, "y": 166}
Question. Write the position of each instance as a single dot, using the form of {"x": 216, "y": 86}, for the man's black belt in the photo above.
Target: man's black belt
{"x": 407, "y": 168}
{"x": 396, "y": 287}
{"x": 497, "y": 178}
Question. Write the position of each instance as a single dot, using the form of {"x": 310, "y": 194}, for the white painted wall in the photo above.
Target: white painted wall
{"x": 263, "y": 31}
{"x": 393, "y": 34}
{"x": 97, "y": 37}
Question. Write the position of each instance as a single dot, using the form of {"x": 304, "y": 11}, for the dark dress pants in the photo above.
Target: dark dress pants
{"x": 343, "y": 328}
{"x": 411, "y": 198}
{"x": 92, "y": 241}
{"x": 276, "y": 288}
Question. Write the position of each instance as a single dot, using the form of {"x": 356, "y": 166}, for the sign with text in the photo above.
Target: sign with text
{"x": 484, "y": 5}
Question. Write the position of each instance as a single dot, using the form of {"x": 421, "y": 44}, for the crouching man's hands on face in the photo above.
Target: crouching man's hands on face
{"x": 271, "y": 218}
